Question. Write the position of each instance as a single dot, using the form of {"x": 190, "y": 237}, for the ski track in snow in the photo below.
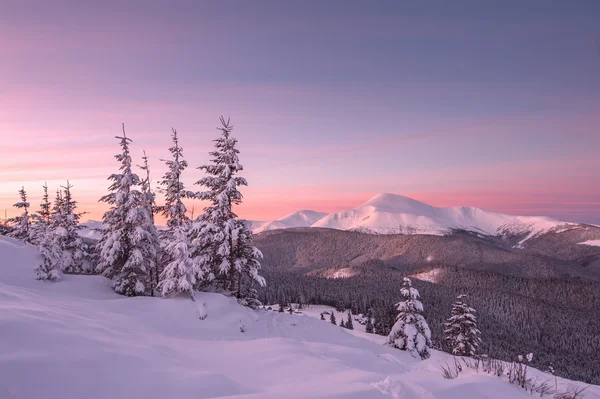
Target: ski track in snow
{"x": 76, "y": 339}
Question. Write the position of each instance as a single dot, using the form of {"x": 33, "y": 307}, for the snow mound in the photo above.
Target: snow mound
{"x": 75, "y": 339}
{"x": 304, "y": 218}
{"x": 397, "y": 214}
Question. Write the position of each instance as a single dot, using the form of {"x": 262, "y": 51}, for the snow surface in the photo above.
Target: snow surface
{"x": 433, "y": 276}
{"x": 595, "y": 243}
{"x": 396, "y": 214}
{"x": 77, "y": 339}
{"x": 304, "y": 218}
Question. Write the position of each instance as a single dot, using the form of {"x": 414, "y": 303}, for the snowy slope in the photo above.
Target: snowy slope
{"x": 396, "y": 214}
{"x": 304, "y": 218}
{"x": 594, "y": 243}
{"x": 76, "y": 339}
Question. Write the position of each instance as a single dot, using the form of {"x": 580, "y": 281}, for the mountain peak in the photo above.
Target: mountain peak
{"x": 395, "y": 202}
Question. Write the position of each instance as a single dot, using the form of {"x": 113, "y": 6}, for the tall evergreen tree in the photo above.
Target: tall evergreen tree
{"x": 410, "y": 332}
{"x": 231, "y": 261}
{"x": 184, "y": 270}
{"x": 349, "y": 324}
{"x": 246, "y": 261}
{"x": 20, "y": 224}
{"x": 51, "y": 253}
{"x": 148, "y": 202}
{"x": 42, "y": 233}
{"x": 67, "y": 230}
{"x": 125, "y": 241}
{"x": 173, "y": 188}
{"x": 181, "y": 273}
{"x": 369, "y": 326}
{"x": 461, "y": 329}
{"x": 38, "y": 229}
{"x": 332, "y": 318}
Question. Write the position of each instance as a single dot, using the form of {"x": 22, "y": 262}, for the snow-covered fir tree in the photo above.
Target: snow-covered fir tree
{"x": 460, "y": 330}
{"x": 51, "y": 253}
{"x": 173, "y": 188}
{"x": 246, "y": 262}
{"x": 410, "y": 332}
{"x": 181, "y": 273}
{"x": 186, "y": 268}
{"x": 148, "y": 202}
{"x": 67, "y": 229}
{"x": 41, "y": 219}
{"x": 369, "y": 326}
{"x": 231, "y": 254}
{"x": 126, "y": 241}
{"x": 20, "y": 224}
{"x": 43, "y": 234}
{"x": 349, "y": 324}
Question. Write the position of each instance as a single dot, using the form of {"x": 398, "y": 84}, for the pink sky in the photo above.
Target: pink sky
{"x": 498, "y": 111}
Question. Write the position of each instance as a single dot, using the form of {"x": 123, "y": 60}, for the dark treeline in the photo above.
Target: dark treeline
{"x": 556, "y": 319}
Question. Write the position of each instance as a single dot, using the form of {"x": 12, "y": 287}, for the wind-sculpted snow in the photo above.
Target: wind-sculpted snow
{"x": 76, "y": 338}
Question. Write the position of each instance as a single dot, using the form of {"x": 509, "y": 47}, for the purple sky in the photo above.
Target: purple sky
{"x": 487, "y": 104}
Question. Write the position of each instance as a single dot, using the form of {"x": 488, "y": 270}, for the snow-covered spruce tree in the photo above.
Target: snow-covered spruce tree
{"x": 235, "y": 264}
{"x": 349, "y": 324}
{"x": 173, "y": 188}
{"x": 185, "y": 270}
{"x": 126, "y": 241}
{"x": 461, "y": 329}
{"x": 51, "y": 253}
{"x": 42, "y": 233}
{"x": 246, "y": 265}
{"x": 148, "y": 202}
{"x": 67, "y": 230}
{"x": 40, "y": 219}
{"x": 20, "y": 224}
{"x": 410, "y": 332}
{"x": 369, "y": 326}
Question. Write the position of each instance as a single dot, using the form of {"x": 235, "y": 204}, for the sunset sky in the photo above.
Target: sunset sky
{"x": 448, "y": 102}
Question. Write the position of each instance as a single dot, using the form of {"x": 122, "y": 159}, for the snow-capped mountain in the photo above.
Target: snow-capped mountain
{"x": 91, "y": 229}
{"x": 304, "y": 218}
{"x": 397, "y": 214}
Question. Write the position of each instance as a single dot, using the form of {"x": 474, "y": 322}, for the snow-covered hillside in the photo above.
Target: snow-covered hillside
{"x": 396, "y": 214}
{"x": 304, "y": 218}
{"x": 76, "y": 338}
{"x": 90, "y": 229}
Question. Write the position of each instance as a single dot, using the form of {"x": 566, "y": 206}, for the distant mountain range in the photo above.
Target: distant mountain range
{"x": 304, "y": 218}
{"x": 397, "y": 214}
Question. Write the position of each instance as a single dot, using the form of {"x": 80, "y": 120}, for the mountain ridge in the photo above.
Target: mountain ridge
{"x": 387, "y": 213}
